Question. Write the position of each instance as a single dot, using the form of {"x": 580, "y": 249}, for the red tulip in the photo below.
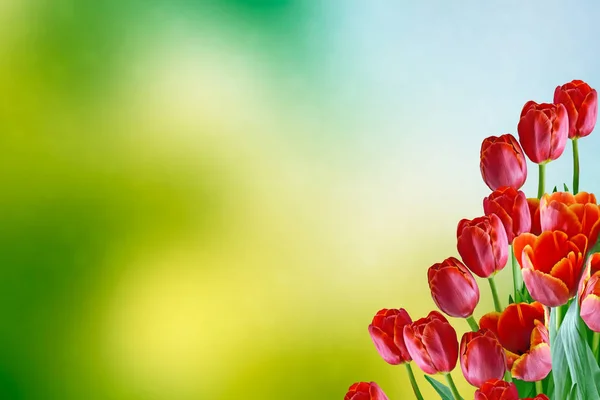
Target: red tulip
{"x": 571, "y": 214}
{"x": 589, "y": 297}
{"x": 543, "y": 131}
{"x": 551, "y": 264}
{"x": 365, "y": 391}
{"x": 534, "y": 211}
{"x": 453, "y": 288}
{"x": 481, "y": 357}
{"x": 387, "y": 333}
{"x": 581, "y": 102}
{"x": 502, "y": 162}
{"x": 432, "y": 343}
{"x": 482, "y": 245}
{"x": 511, "y": 207}
{"x": 538, "y": 397}
{"x": 521, "y": 331}
{"x": 496, "y": 389}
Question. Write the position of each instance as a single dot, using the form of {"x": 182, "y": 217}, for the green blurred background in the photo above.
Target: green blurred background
{"x": 211, "y": 199}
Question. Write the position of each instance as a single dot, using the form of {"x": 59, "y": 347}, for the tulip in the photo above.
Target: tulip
{"x": 571, "y": 214}
{"x": 365, "y": 391}
{"x": 551, "y": 264}
{"x": 481, "y": 357}
{"x": 534, "y": 211}
{"x": 453, "y": 288}
{"x": 543, "y": 131}
{"x": 510, "y": 205}
{"x": 496, "y": 389}
{"x": 581, "y": 103}
{"x": 502, "y": 162}
{"x": 589, "y": 294}
{"x": 521, "y": 331}
{"x": 387, "y": 333}
{"x": 482, "y": 245}
{"x": 538, "y": 397}
{"x": 432, "y": 343}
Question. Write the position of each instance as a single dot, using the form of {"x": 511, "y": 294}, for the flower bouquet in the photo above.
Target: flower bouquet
{"x": 544, "y": 342}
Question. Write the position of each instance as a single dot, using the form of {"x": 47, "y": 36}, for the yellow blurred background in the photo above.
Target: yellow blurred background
{"x": 211, "y": 199}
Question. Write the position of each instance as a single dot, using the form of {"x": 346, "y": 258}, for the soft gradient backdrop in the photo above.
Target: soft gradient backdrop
{"x": 211, "y": 199}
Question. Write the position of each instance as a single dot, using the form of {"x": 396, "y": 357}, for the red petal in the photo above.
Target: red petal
{"x": 417, "y": 351}
{"x": 590, "y": 312}
{"x": 520, "y": 242}
{"x": 546, "y": 289}
{"x": 441, "y": 343}
{"x": 476, "y": 252}
{"x": 588, "y": 114}
{"x": 534, "y": 365}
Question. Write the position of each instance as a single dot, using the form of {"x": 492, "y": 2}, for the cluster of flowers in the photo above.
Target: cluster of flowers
{"x": 550, "y": 240}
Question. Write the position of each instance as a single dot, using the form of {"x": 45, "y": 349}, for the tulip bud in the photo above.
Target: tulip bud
{"x": 496, "y": 389}
{"x": 482, "y": 245}
{"x": 481, "y": 357}
{"x": 534, "y": 212}
{"x": 511, "y": 207}
{"x": 365, "y": 391}
{"x": 551, "y": 265}
{"x": 432, "y": 343}
{"x": 581, "y": 102}
{"x": 387, "y": 333}
{"x": 502, "y": 162}
{"x": 453, "y": 288}
{"x": 543, "y": 131}
{"x": 571, "y": 214}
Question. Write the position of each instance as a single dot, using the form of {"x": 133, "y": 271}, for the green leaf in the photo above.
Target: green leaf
{"x": 565, "y": 186}
{"x": 443, "y": 390}
{"x": 510, "y": 298}
{"x": 554, "y": 190}
{"x": 577, "y": 373}
{"x": 526, "y": 389}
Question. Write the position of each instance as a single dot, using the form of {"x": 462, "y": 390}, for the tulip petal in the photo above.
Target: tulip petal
{"x": 490, "y": 321}
{"x": 588, "y": 114}
{"x": 520, "y": 242}
{"x": 546, "y": 289}
{"x": 483, "y": 360}
{"x": 385, "y": 345}
{"x": 590, "y": 312}
{"x": 535, "y": 135}
{"x": 559, "y": 216}
{"x": 534, "y": 365}
{"x": 418, "y": 352}
{"x": 441, "y": 342}
{"x": 568, "y": 270}
{"x": 515, "y": 325}
{"x": 476, "y": 252}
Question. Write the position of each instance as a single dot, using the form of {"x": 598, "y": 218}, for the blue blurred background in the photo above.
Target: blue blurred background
{"x": 211, "y": 199}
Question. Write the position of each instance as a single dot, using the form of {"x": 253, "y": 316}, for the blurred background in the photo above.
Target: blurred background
{"x": 211, "y": 199}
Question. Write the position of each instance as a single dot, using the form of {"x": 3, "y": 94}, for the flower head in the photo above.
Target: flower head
{"x": 387, "y": 333}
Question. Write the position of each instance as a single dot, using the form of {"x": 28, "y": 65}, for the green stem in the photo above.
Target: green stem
{"x": 516, "y": 272}
{"x": 596, "y": 344}
{"x": 508, "y": 376}
{"x": 413, "y": 381}
{"x": 539, "y": 389}
{"x": 542, "y": 180}
{"x": 473, "y": 323}
{"x": 559, "y": 316}
{"x": 495, "y": 294}
{"x": 575, "y": 166}
{"x": 452, "y": 387}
